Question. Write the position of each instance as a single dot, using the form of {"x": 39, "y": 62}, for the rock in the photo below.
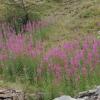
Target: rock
{"x": 10, "y": 94}
{"x": 97, "y": 91}
{"x": 93, "y": 94}
{"x": 64, "y": 98}
{"x": 82, "y": 94}
{"x": 67, "y": 98}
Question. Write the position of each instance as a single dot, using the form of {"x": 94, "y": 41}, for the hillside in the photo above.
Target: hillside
{"x": 68, "y": 18}
{"x": 75, "y": 18}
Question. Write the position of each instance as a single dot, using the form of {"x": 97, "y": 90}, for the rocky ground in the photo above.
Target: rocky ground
{"x": 10, "y": 94}
{"x": 93, "y": 94}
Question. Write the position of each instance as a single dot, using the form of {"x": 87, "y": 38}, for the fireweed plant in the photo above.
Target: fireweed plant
{"x": 65, "y": 69}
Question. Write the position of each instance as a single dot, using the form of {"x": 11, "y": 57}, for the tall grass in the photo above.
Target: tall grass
{"x": 65, "y": 69}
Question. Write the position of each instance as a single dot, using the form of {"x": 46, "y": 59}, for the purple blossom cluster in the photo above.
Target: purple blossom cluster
{"x": 72, "y": 59}
{"x": 7, "y": 30}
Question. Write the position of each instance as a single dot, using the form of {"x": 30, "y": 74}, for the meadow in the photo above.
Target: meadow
{"x": 55, "y": 53}
{"x": 66, "y": 68}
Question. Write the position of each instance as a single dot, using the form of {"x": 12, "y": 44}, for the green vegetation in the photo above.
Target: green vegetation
{"x": 50, "y": 46}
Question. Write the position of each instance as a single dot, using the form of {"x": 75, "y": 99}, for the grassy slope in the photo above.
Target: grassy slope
{"x": 73, "y": 19}
{"x": 69, "y": 18}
